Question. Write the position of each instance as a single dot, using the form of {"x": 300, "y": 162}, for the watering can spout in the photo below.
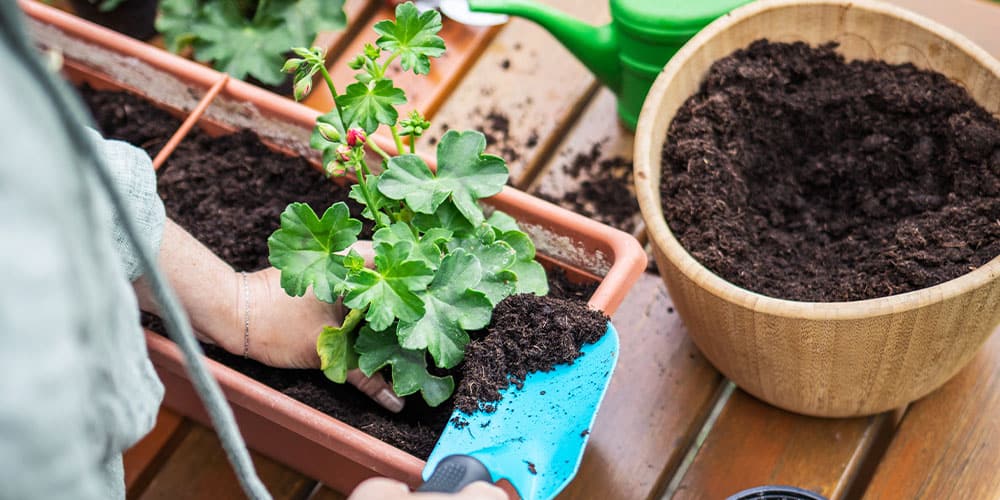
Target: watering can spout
{"x": 596, "y": 47}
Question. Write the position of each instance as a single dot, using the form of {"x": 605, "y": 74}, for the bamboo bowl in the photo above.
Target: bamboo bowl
{"x": 825, "y": 359}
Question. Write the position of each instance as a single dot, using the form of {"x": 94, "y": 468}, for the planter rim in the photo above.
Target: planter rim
{"x": 647, "y": 158}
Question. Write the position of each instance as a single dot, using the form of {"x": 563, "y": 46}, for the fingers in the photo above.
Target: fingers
{"x": 376, "y": 388}
{"x": 365, "y": 248}
{"x": 480, "y": 490}
{"x": 381, "y": 488}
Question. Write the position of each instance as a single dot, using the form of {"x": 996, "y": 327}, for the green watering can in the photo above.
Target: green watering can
{"x": 627, "y": 54}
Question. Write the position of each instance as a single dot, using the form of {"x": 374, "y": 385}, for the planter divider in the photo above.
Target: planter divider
{"x": 189, "y": 122}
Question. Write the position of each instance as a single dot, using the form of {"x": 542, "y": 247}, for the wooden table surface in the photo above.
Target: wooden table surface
{"x": 671, "y": 425}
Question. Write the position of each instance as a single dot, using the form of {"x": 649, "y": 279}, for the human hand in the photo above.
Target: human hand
{"x": 270, "y": 327}
{"x": 283, "y": 329}
{"x": 380, "y": 488}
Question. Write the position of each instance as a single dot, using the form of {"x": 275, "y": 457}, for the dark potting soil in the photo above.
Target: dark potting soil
{"x": 796, "y": 175}
{"x": 229, "y": 192}
{"x": 126, "y": 117}
{"x": 528, "y": 334}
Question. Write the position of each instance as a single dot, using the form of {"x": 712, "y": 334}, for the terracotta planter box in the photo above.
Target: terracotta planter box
{"x": 272, "y": 423}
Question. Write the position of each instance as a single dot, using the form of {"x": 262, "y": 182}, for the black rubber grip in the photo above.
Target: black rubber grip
{"x": 455, "y": 472}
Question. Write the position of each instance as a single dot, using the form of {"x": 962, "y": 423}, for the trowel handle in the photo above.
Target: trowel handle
{"x": 455, "y": 472}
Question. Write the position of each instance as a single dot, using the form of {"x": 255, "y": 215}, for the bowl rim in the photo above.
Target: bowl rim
{"x": 647, "y": 157}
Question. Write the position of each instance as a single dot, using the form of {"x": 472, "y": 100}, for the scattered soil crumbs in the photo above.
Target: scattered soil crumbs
{"x": 126, "y": 117}
{"x": 497, "y": 131}
{"x": 528, "y": 334}
{"x": 604, "y": 191}
{"x": 230, "y": 191}
{"x": 797, "y": 175}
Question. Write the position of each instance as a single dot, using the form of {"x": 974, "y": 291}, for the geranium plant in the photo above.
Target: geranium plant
{"x": 246, "y": 37}
{"x": 441, "y": 265}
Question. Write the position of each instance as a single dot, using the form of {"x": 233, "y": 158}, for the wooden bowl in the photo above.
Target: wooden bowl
{"x": 822, "y": 358}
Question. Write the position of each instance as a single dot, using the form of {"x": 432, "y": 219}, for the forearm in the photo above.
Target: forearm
{"x": 207, "y": 287}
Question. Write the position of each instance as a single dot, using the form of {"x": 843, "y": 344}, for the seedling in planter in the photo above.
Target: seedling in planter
{"x": 441, "y": 265}
{"x": 246, "y": 37}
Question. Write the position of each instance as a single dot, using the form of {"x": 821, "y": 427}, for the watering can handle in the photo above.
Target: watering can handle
{"x": 455, "y": 472}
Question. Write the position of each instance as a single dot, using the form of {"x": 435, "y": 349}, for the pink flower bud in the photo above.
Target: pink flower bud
{"x": 356, "y": 136}
{"x": 344, "y": 151}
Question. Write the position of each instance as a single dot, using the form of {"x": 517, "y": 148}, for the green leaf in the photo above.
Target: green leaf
{"x": 413, "y": 36}
{"x": 304, "y": 17}
{"x": 451, "y": 309}
{"x": 447, "y": 217}
{"x": 225, "y": 34}
{"x": 503, "y": 222}
{"x": 378, "y": 199}
{"x": 464, "y": 175}
{"x": 369, "y": 104}
{"x": 426, "y": 248}
{"x": 304, "y": 249}
{"x": 388, "y": 290}
{"x": 240, "y": 47}
{"x": 497, "y": 258}
{"x": 531, "y": 277}
{"x": 335, "y": 347}
{"x": 176, "y": 22}
{"x": 409, "y": 368}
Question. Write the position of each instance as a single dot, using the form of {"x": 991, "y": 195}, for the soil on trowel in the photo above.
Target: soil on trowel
{"x": 528, "y": 334}
{"x": 229, "y": 192}
{"x": 798, "y": 175}
{"x": 127, "y": 117}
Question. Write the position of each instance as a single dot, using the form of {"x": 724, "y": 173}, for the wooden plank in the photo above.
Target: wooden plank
{"x": 948, "y": 444}
{"x": 593, "y": 165}
{"x": 325, "y": 493}
{"x": 142, "y": 460}
{"x": 523, "y": 92}
{"x": 199, "y": 468}
{"x": 753, "y": 444}
{"x": 661, "y": 392}
{"x": 424, "y": 92}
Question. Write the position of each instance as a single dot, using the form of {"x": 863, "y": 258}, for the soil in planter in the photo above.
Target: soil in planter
{"x": 796, "y": 175}
{"x": 126, "y": 117}
{"x": 229, "y": 192}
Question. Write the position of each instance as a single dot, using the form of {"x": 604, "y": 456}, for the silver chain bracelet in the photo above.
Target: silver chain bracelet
{"x": 246, "y": 316}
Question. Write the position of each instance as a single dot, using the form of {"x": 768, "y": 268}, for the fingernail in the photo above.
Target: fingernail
{"x": 390, "y": 400}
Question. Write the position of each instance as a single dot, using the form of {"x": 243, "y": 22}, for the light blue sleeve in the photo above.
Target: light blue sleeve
{"x": 46, "y": 439}
{"x": 133, "y": 174}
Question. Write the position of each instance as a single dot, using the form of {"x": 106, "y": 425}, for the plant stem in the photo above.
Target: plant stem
{"x": 333, "y": 93}
{"x": 413, "y": 144}
{"x": 371, "y": 143}
{"x": 395, "y": 137}
{"x": 261, "y": 7}
{"x": 363, "y": 182}
{"x": 388, "y": 61}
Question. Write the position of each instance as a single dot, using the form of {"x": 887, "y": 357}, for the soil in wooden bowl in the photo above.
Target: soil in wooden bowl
{"x": 797, "y": 175}
{"x": 229, "y": 192}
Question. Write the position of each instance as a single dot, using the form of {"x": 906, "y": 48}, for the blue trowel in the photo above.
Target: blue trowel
{"x": 536, "y": 437}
